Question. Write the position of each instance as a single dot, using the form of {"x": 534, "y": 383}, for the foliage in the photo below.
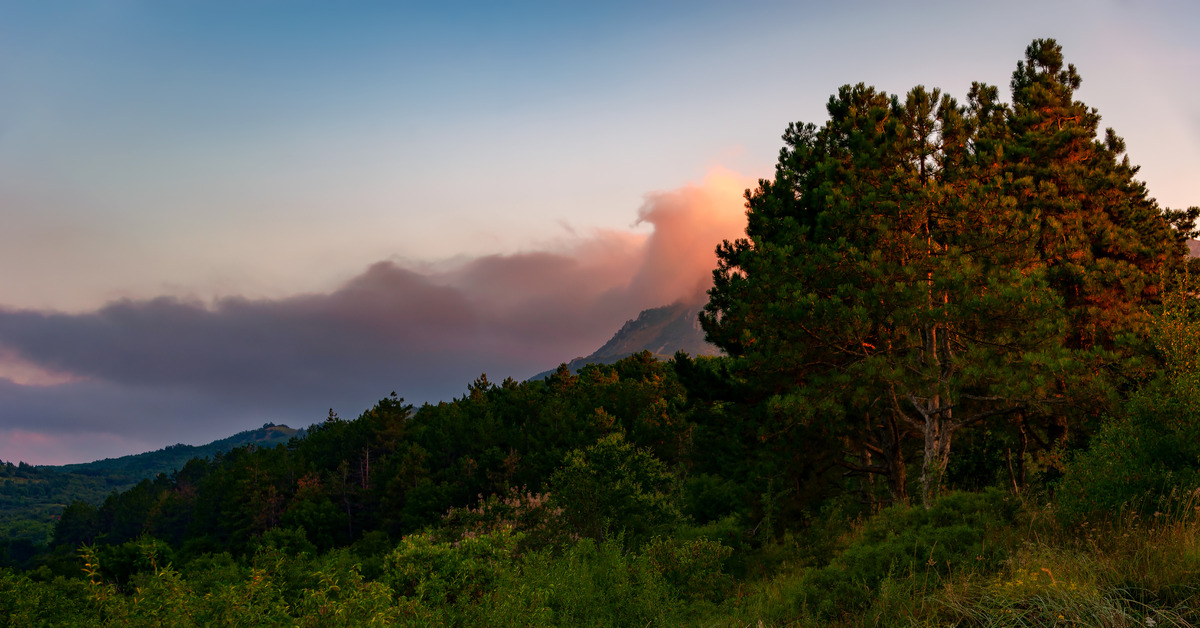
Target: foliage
{"x": 917, "y": 267}
{"x": 1118, "y": 571}
{"x": 450, "y": 574}
{"x": 611, "y": 487}
{"x": 1133, "y": 461}
{"x": 539, "y": 522}
{"x": 31, "y": 497}
{"x": 918, "y": 272}
{"x": 594, "y": 584}
{"x": 693, "y": 569}
{"x": 961, "y": 532}
{"x": 1153, "y": 447}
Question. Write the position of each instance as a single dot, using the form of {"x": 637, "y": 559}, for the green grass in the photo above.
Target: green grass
{"x": 1128, "y": 571}
{"x": 973, "y": 559}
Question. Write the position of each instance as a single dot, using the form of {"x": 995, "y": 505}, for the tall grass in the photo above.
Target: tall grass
{"x": 1129, "y": 570}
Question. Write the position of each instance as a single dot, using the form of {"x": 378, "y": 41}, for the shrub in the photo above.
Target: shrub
{"x": 612, "y": 487}
{"x": 441, "y": 574}
{"x": 534, "y": 515}
{"x": 710, "y": 497}
{"x": 590, "y": 583}
{"x": 1132, "y": 461}
{"x": 961, "y": 532}
{"x": 693, "y": 569}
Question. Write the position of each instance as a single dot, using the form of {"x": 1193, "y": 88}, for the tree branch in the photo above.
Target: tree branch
{"x": 876, "y": 469}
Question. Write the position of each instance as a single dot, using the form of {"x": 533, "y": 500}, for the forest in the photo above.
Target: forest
{"x": 959, "y": 388}
{"x": 33, "y": 497}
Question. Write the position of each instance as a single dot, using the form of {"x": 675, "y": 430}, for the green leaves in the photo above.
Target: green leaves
{"x": 612, "y": 487}
{"x": 927, "y": 265}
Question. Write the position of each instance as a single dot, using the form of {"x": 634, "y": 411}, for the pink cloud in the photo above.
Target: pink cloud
{"x": 18, "y": 445}
{"x": 20, "y": 371}
{"x": 688, "y": 224}
{"x": 162, "y": 368}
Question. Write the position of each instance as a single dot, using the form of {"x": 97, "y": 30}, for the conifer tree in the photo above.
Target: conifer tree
{"x": 1103, "y": 240}
{"x": 917, "y": 266}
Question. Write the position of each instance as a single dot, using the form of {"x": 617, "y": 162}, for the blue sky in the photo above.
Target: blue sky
{"x": 270, "y": 151}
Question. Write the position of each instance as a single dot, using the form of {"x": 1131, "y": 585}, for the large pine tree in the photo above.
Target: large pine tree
{"x": 917, "y": 266}
{"x": 1103, "y": 239}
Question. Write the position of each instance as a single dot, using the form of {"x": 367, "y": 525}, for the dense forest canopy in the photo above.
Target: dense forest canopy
{"x": 919, "y": 273}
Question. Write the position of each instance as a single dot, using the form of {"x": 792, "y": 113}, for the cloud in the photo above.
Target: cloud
{"x": 168, "y": 370}
{"x": 57, "y": 449}
{"x": 675, "y": 266}
{"x": 18, "y": 371}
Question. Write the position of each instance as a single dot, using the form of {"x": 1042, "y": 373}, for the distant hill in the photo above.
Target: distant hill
{"x": 662, "y": 331}
{"x": 31, "y": 497}
{"x": 170, "y": 459}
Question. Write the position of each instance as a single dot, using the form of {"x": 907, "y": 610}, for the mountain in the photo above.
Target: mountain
{"x": 662, "y": 331}
{"x": 31, "y": 497}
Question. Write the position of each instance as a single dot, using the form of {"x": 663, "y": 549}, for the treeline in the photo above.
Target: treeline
{"x": 397, "y": 472}
{"x": 961, "y": 388}
{"x": 172, "y": 458}
{"x": 633, "y": 492}
{"x": 662, "y": 496}
{"x": 33, "y": 497}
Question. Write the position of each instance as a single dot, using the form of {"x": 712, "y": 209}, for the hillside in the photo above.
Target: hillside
{"x": 662, "y": 331}
{"x": 960, "y": 389}
{"x": 31, "y": 497}
{"x": 169, "y": 459}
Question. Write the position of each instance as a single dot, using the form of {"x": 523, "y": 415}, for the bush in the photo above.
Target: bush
{"x": 449, "y": 574}
{"x": 961, "y": 532}
{"x": 693, "y": 569}
{"x": 613, "y": 487}
{"x": 121, "y": 562}
{"x": 709, "y": 497}
{"x": 1132, "y": 461}
{"x": 534, "y": 515}
{"x": 589, "y": 584}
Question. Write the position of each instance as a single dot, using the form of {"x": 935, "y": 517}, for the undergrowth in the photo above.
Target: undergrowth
{"x": 987, "y": 560}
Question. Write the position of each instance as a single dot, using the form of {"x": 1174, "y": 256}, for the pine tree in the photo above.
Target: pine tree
{"x": 917, "y": 266}
{"x": 1104, "y": 242}
{"x": 1103, "y": 239}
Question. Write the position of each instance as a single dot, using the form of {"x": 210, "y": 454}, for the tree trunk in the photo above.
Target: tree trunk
{"x": 938, "y": 432}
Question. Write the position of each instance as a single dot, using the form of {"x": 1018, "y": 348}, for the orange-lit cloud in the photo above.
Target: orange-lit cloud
{"x": 676, "y": 265}
{"x": 171, "y": 370}
{"x": 573, "y": 300}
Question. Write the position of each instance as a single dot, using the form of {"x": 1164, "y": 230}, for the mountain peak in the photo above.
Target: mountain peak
{"x": 662, "y": 331}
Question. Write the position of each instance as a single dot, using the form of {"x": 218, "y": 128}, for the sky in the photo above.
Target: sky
{"x": 219, "y": 214}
